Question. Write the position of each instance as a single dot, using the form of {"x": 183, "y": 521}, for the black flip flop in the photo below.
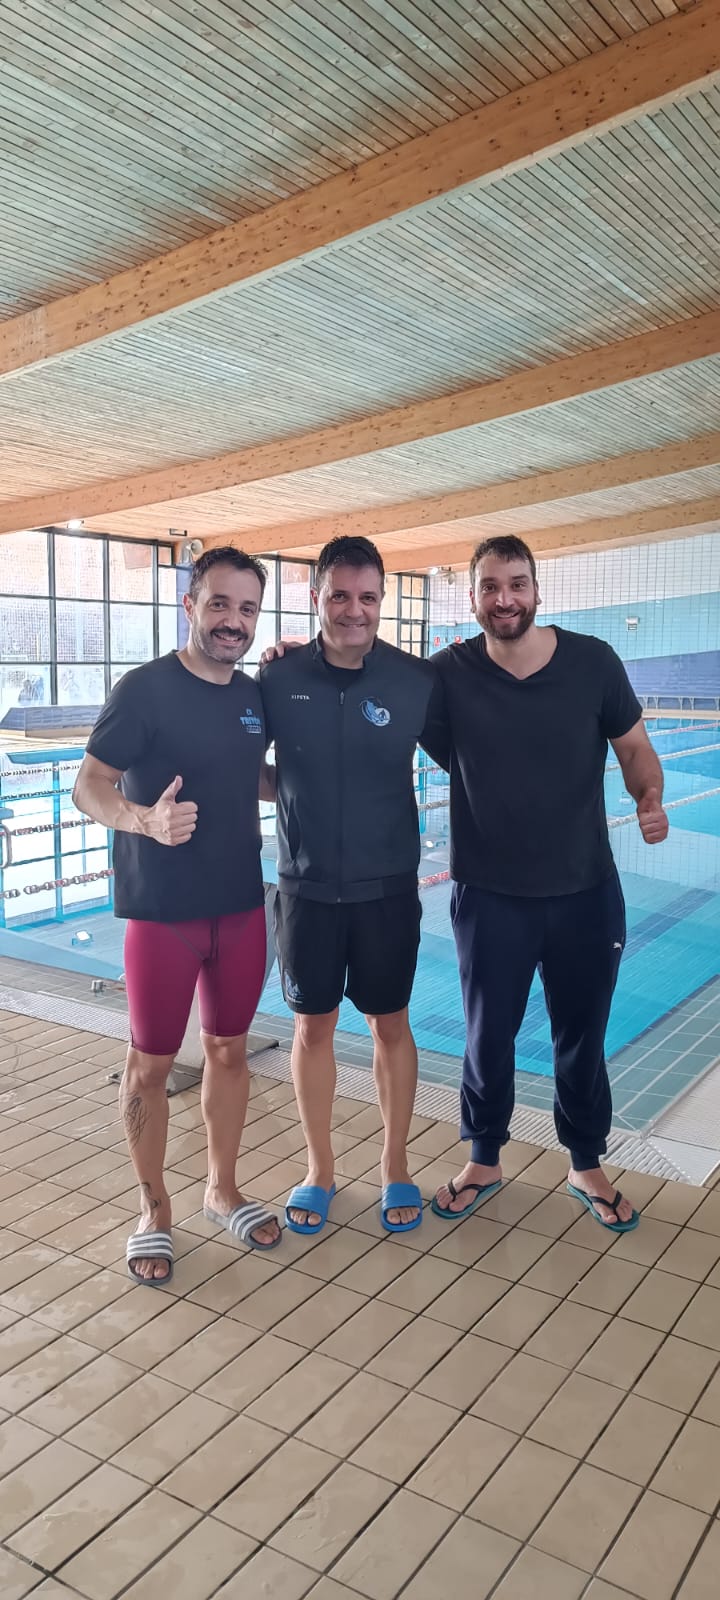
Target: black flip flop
{"x": 481, "y": 1191}
{"x": 592, "y": 1201}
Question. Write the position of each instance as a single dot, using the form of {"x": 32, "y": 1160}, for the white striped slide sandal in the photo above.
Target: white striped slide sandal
{"x": 244, "y": 1221}
{"x": 153, "y": 1247}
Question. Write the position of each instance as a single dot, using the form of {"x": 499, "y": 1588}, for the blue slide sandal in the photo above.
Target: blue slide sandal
{"x": 396, "y": 1196}
{"x": 309, "y": 1197}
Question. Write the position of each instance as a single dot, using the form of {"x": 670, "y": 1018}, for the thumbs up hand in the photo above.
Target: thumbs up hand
{"x": 652, "y": 818}
{"x": 171, "y": 821}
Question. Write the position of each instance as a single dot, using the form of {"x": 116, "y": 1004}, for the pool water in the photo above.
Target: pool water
{"x": 665, "y": 1025}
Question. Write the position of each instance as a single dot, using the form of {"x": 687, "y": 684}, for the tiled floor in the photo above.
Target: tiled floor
{"x": 519, "y": 1406}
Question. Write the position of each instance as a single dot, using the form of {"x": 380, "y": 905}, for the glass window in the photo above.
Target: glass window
{"x": 131, "y": 575}
{"x": 388, "y": 630}
{"x": 389, "y": 610}
{"x": 24, "y": 564}
{"x": 172, "y": 584}
{"x": 172, "y": 628}
{"x": 24, "y": 630}
{"x": 79, "y": 567}
{"x": 116, "y": 673}
{"x": 264, "y": 636}
{"x": 295, "y": 585}
{"x": 411, "y": 638}
{"x": 296, "y": 625}
{"x": 131, "y": 633}
{"x": 389, "y": 606}
{"x": 80, "y": 631}
{"x": 270, "y": 597}
{"x": 80, "y": 685}
{"x": 23, "y": 685}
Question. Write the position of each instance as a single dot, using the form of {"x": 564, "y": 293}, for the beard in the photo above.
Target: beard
{"x": 220, "y": 644}
{"x": 512, "y": 627}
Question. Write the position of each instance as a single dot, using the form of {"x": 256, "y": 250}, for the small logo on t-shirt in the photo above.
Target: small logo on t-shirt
{"x": 251, "y": 721}
{"x": 375, "y": 714}
{"x": 299, "y": 697}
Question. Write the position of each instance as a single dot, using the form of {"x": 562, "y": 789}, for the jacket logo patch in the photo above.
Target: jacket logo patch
{"x": 377, "y": 715}
{"x": 251, "y": 722}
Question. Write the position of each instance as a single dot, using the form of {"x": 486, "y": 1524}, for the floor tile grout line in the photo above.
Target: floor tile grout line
{"x": 305, "y": 1420}
{"x": 582, "y": 1461}
{"x": 705, "y": 1535}
{"x": 416, "y": 1468}
{"x": 666, "y": 1335}
{"x": 399, "y": 1486}
{"x": 657, "y": 1266}
{"x": 550, "y": 1242}
{"x": 397, "y": 1490}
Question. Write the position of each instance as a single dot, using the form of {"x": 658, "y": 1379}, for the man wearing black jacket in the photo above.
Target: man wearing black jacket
{"x": 346, "y": 713}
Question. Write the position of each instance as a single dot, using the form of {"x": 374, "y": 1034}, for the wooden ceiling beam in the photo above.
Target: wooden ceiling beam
{"x": 566, "y": 379}
{"x": 634, "y": 77}
{"x": 676, "y": 518}
{"x": 461, "y": 505}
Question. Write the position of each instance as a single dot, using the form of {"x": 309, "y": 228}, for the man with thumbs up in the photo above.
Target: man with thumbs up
{"x": 169, "y": 822}
{"x": 529, "y": 713}
{"x": 174, "y": 766}
{"x": 651, "y": 816}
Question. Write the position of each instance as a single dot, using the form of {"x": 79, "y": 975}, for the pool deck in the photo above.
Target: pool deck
{"x": 520, "y": 1405}
{"x": 663, "y": 1144}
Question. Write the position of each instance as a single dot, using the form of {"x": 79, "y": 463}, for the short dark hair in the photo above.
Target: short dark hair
{"x": 225, "y": 555}
{"x": 507, "y": 548}
{"x": 348, "y": 552}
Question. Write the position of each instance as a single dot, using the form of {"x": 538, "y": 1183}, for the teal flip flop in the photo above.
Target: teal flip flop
{"x": 590, "y": 1201}
{"x": 396, "y": 1196}
{"x": 309, "y": 1197}
{"x": 482, "y": 1192}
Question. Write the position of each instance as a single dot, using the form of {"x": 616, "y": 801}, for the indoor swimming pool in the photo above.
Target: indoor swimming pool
{"x": 665, "y": 1025}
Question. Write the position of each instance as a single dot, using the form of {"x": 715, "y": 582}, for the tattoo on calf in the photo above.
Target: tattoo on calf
{"x": 134, "y": 1115}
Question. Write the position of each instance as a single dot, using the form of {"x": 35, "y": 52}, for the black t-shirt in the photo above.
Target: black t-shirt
{"x": 161, "y": 721}
{"x": 527, "y": 760}
{"x": 342, "y": 676}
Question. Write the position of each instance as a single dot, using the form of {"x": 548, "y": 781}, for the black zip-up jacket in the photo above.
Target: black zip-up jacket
{"x": 347, "y": 821}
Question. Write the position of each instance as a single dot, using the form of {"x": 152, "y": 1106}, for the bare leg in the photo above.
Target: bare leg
{"x": 395, "y": 1066}
{"x": 314, "y": 1076}
{"x": 224, "y": 1098}
{"x": 144, "y": 1112}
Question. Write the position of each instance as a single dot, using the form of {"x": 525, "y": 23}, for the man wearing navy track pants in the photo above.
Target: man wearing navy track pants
{"x": 524, "y": 732}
